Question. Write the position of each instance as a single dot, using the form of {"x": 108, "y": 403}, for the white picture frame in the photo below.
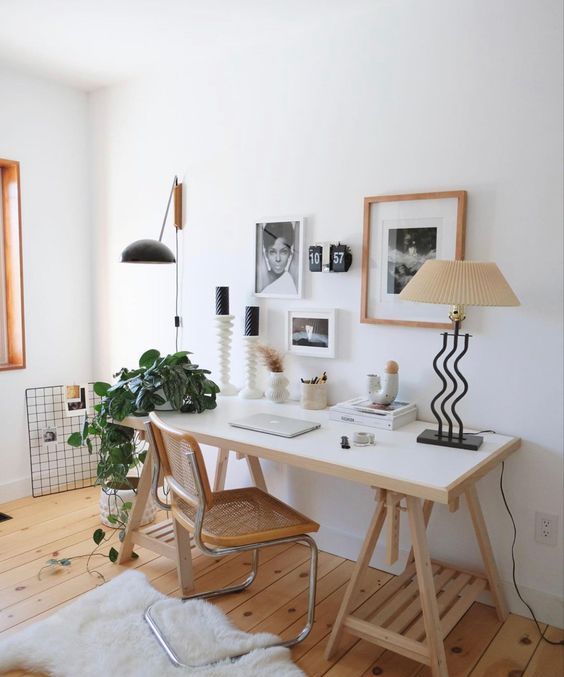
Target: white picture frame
{"x": 308, "y": 329}
{"x": 49, "y": 437}
{"x": 279, "y": 258}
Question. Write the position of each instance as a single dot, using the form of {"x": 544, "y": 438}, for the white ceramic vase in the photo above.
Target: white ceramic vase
{"x": 112, "y": 500}
{"x": 277, "y": 390}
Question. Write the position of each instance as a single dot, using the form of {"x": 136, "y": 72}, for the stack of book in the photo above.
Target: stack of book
{"x": 362, "y": 411}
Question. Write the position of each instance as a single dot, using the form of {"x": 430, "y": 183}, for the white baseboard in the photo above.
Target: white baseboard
{"x": 13, "y": 490}
{"x": 548, "y": 608}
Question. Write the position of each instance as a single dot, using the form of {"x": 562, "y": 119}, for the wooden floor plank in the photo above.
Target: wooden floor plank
{"x": 59, "y": 504}
{"x": 464, "y": 646}
{"x": 468, "y": 640}
{"x": 478, "y": 646}
{"x": 313, "y": 662}
{"x": 548, "y": 660}
{"x": 40, "y": 534}
{"x": 278, "y": 593}
{"x": 210, "y": 573}
{"x": 21, "y": 580}
{"x": 511, "y": 649}
{"x": 62, "y": 591}
{"x": 269, "y": 572}
{"x": 287, "y": 619}
{"x": 18, "y": 503}
{"x": 50, "y": 549}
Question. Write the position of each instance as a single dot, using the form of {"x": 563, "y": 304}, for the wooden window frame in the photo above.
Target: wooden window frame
{"x": 12, "y": 265}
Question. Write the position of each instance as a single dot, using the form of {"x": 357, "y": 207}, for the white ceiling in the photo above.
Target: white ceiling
{"x": 94, "y": 43}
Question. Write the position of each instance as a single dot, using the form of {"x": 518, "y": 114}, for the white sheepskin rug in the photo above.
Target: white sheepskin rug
{"x": 104, "y": 633}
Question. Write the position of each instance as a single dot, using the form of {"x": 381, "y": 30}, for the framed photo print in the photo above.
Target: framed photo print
{"x": 49, "y": 438}
{"x": 400, "y": 233}
{"x": 75, "y": 400}
{"x": 279, "y": 258}
{"x": 311, "y": 332}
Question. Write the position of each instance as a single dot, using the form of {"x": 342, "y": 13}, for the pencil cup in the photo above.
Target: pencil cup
{"x": 314, "y": 395}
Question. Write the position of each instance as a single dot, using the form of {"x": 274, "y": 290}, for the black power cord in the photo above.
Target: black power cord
{"x": 176, "y": 315}
{"x": 549, "y": 641}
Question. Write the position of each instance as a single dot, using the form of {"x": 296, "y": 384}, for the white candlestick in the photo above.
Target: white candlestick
{"x": 224, "y": 329}
{"x": 250, "y": 391}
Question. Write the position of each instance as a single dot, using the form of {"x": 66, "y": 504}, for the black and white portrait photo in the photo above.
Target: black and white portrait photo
{"x": 408, "y": 249}
{"x": 278, "y": 258}
{"x": 312, "y": 332}
{"x": 49, "y": 438}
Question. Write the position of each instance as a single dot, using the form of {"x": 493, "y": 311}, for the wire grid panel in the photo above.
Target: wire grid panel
{"x": 55, "y": 465}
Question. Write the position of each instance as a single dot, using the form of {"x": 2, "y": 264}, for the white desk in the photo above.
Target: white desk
{"x": 402, "y": 470}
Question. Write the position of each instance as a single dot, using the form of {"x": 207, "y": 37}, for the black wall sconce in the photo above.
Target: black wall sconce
{"x": 155, "y": 251}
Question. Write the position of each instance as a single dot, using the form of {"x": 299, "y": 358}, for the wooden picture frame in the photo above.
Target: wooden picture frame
{"x": 400, "y": 233}
{"x": 12, "y": 329}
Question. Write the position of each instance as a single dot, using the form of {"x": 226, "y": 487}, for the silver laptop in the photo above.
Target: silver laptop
{"x": 275, "y": 425}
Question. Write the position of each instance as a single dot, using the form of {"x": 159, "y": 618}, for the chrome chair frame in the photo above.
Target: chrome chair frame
{"x": 177, "y": 489}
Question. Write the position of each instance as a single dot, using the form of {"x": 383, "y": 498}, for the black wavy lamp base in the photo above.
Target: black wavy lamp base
{"x": 471, "y": 442}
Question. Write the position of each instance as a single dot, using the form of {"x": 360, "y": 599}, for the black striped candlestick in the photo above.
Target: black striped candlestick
{"x": 222, "y": 300}
{"x": 251, "y": 321}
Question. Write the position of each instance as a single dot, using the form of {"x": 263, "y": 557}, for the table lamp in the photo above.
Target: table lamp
{"x": 457, "y": 284}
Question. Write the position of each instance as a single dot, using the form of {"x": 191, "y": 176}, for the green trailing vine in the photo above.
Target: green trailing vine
{"x": 156, "y": 382}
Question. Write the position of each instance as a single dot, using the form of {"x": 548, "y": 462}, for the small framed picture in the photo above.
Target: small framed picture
{"x": 401, "y": 232}
{"x": 76, "y": 400}
{"x": 49, "y": 438}
{"x": 311, "y": 332}
{"x": 279, "y": 258}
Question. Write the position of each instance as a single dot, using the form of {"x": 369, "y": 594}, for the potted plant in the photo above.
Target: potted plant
{"x": 171, "y": 381}
{"x": 273, "y": 360}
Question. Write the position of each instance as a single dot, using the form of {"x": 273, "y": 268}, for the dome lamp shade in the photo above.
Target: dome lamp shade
{"x": 147, "y": 251}
{"x": 154, "y": 251}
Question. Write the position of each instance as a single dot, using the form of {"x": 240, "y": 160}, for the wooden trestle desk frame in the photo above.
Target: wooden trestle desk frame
{"x": 414, "y": 612}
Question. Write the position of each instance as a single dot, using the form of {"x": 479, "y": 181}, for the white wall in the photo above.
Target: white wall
{"x": 407, "y": 97}
{"x": 44, "y": 126}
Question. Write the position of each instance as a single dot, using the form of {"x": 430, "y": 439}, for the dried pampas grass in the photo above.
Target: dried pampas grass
{"x": 272, "y": 359}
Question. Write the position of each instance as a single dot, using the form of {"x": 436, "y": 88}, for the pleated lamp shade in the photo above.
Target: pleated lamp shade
{"x": 462, "y": 283}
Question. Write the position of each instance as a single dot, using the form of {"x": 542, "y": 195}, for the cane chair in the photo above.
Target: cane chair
{"x": 223, "y": 522}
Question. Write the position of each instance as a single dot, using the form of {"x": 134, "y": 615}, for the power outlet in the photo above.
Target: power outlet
{"x": 546, "y": 528}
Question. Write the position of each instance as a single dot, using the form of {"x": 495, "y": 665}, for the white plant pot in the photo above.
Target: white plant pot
{"x": 167, "y": 406}
{"x": 277, "y": 390}
{"x": 112, "y": 500}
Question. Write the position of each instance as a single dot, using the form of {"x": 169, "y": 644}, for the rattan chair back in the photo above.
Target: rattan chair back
{"x": 174, "y": 449}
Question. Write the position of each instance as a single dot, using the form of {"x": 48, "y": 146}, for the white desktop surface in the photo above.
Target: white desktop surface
{"x": 396, "y": 462}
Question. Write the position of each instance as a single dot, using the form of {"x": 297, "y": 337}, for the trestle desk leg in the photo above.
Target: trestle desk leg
{"x": 429, "y": 607}
{"x": 136, "y": 515}
{"x": 256, "y": 472}
{"x": 360, "y": 567}
{"x": 221, "y": 469}
{"x": 487, "y": 554}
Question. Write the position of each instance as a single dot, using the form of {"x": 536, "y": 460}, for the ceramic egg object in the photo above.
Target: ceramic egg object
{"x": 384, "y": 389}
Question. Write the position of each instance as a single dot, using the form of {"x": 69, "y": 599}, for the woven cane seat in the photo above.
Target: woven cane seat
{"x": 249, "y": 515}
